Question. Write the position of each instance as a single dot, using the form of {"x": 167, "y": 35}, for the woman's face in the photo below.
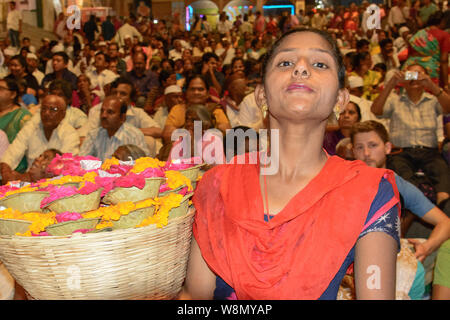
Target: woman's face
{"x": 348, "y": 117}
{"x": 301, "y": 79}
{"x": 196, "y": 92}
{"x": 83, "y": 82}
{"x": 16, "y": 68}
{"x": 238, "y": 66}
{"x": 6, "y": 95}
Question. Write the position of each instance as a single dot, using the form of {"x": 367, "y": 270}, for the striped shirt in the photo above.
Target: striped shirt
{"x": 31, "y": 141}
{"x": 413, "y": 124}
{"x": 100, "y": 145}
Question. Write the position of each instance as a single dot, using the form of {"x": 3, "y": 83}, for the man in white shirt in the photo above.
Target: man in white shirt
{"x": 101, "y": 76}
{"x": 177, "y": 51}
{"x": 173, "y": 95}
{"x": 14, "y": 24}
{"x": 125, "y": 89}
{"x": 113, "y": 131}
{"x": 33, "y": 61}
{"x": 401, "y": 43}
{"x": 126, "y": 30}
{"x": 388, "y": 55}
{"x": 37, "y": 136}
{"x": 398, "y": 14}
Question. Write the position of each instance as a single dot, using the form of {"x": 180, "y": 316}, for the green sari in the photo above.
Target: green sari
{"x": 11, "y": 123}
{"x": 427, "y": 46}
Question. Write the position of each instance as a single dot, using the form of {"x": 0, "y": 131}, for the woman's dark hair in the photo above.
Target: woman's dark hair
{"x": 436, "y": 18}
{"x": 14, "y": 87}
{"x": 196, "y": 76}
{"x": 334, "y": 50}
{"x": 203, "y": 114}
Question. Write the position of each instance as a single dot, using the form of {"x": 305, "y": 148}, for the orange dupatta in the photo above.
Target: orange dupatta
{"x": 297, "y": 253}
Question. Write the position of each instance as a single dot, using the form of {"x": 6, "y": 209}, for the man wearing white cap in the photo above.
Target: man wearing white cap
{"x": 401, "y": 42}
{"x": 33, "y": 62}
{"x": 124, "y": 30}
{"x": 172, "y": 96}
{"x": 355, "y": 88}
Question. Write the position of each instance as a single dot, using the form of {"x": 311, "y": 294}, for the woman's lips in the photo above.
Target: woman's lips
{"x": 299, "y": 86}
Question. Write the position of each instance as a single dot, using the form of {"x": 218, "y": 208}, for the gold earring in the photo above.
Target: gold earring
{"x": 337, "y": 111}
{"x": 264, "y": 109}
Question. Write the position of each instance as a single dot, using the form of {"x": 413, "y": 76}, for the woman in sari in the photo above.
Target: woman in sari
{"x": 12, "y": 116}
{"x": 429, "y": 47}
{"x": 293, "y": 233}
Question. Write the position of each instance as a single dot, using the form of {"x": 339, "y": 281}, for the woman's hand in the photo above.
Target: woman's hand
{"x": 423, "y": 250}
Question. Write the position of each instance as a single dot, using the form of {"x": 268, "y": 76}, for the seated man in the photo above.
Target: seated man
{"x": 50, "y": 132}
{"x": 60, "y": 62}
{"x": 114, "y": 131}
{"x": 413, "y": 122}
{"x": 74, "y": 116}
{"x": 173, "y": 95}
{"x": 371, "y": 144}
{"x": 124, "y": 89}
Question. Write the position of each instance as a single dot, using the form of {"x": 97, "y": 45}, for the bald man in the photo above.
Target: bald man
{"x": 50, "y": 132}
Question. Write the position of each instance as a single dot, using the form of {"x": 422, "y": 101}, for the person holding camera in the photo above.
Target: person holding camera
{"x": 413, "y": 127}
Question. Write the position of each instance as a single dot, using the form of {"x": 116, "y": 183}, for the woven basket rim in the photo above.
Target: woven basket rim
{"x": 60, "y": 224}
{"x": 93, "y": 236}
{"x": 16, "y": 220}
{"x": 194, "y": 167}
{"x": 22, "y": 193}
{"x": 72, "y": 196}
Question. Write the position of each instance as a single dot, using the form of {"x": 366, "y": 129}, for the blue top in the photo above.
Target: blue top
{"x": 413, "y": 199}
{"x": 388, "y": 223}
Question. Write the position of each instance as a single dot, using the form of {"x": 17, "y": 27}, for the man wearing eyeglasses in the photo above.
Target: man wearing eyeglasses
{"x": 37, "y": 136}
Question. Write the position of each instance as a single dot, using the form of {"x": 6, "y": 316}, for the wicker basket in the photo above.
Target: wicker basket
{"x": 25, "y": 201}
{"x": 118, "y": 195}
{"x": 77, "y": 202}
{"x": 137, "y": 263}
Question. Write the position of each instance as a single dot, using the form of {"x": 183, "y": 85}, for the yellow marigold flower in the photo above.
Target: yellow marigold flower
{"x": 146, "y": 162}
{"x": 146, "y": 203}
{"x": 109, "y": 162}
{"x": 39, "y": 221}
{"x": 103, "y": 224}
{"x": 176, "y": 179}
{"x": 21, "y": 190}
{"x": 161, "y": 216}
{"x": 60, "y": 181}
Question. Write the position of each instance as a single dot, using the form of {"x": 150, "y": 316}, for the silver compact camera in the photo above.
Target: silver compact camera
{"x": 411, "y": 75}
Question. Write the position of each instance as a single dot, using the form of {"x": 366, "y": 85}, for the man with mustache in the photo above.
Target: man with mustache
{"x": 113, "y": 131}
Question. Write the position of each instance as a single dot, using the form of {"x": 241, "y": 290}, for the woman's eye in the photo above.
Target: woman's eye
{"x": 320, "y": 65}
{"x": 284, "y": 64}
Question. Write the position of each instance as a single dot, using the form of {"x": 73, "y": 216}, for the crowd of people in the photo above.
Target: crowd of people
{"x": 122, "y": 87}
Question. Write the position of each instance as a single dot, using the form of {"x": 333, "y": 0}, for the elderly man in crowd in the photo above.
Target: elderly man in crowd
{"x": 51, "y": 132}
{"x": 173, "y": 95}
{"x": 113, "y": 131}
